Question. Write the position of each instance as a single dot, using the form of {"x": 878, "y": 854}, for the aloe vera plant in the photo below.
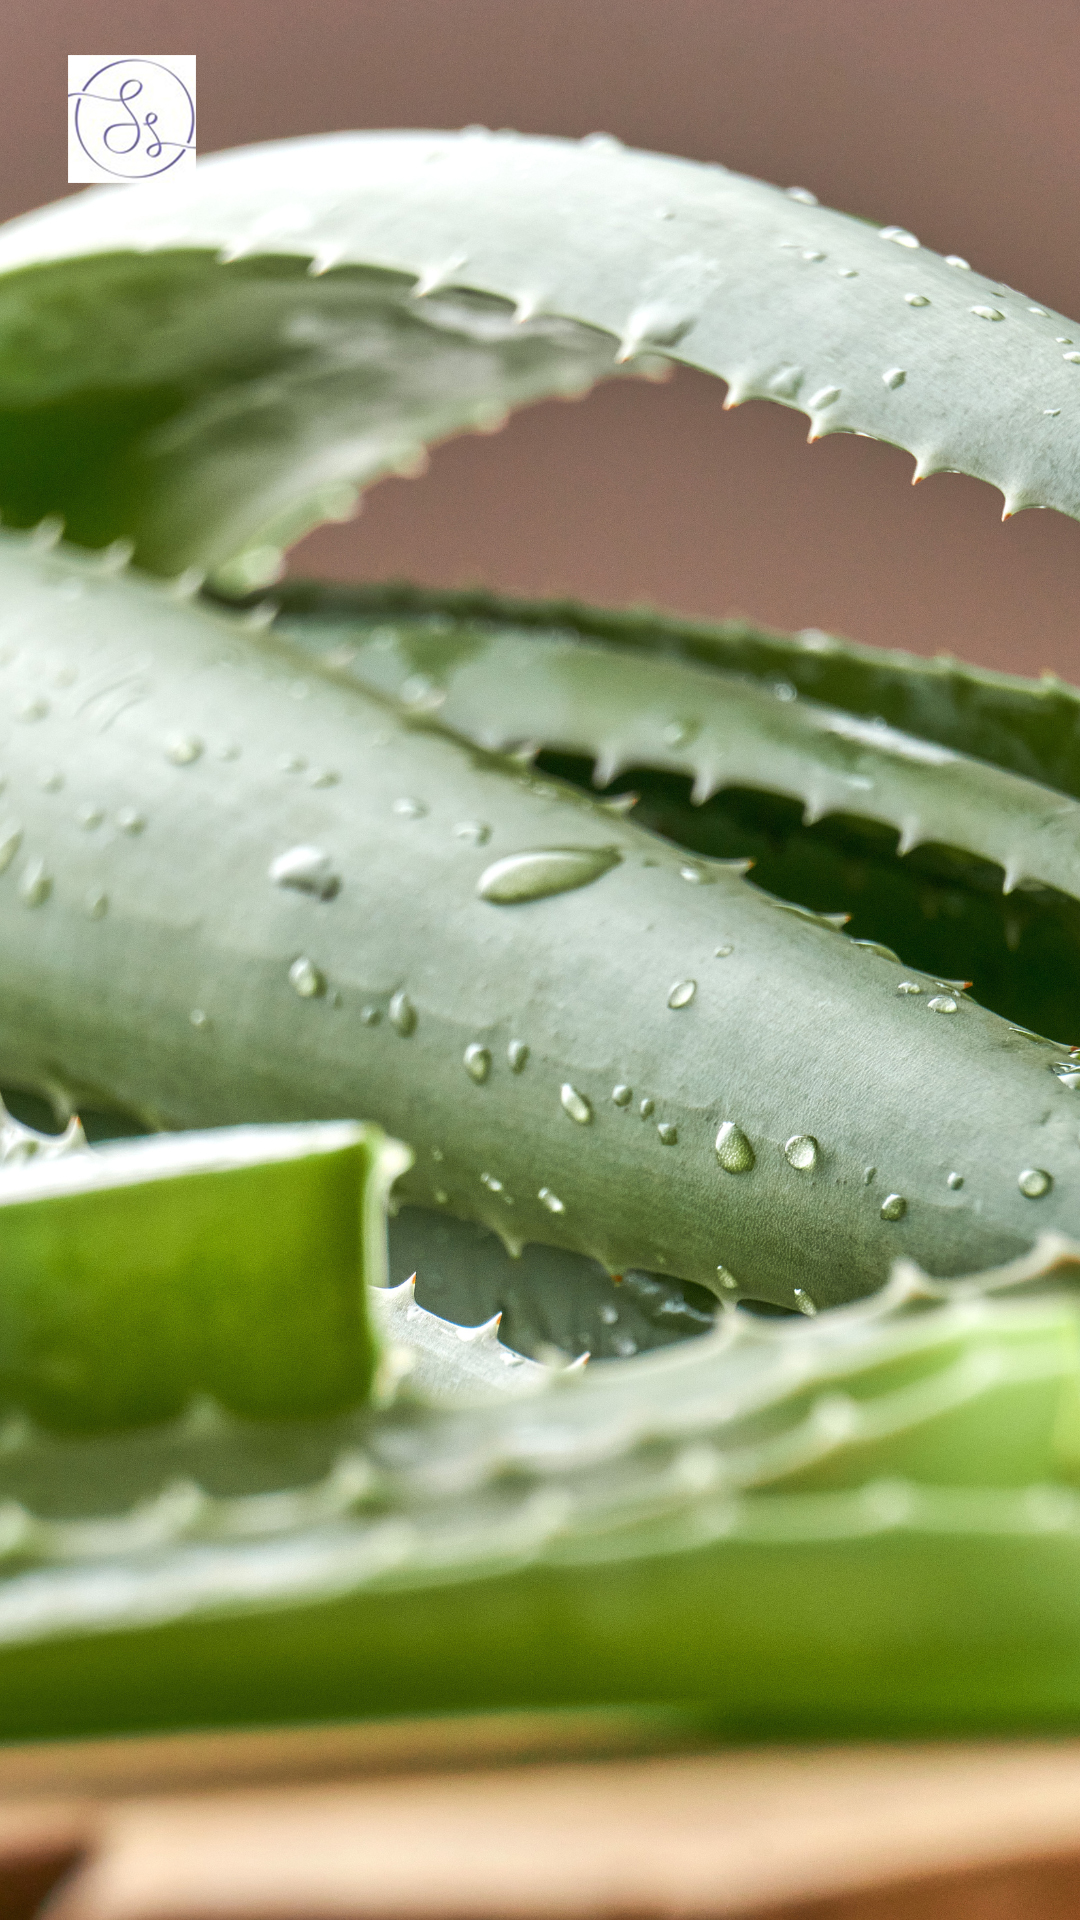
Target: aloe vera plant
{"x": 329, "y": 852}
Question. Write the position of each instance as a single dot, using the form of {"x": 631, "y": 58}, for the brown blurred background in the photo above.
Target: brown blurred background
{"x": 956, "y": 118}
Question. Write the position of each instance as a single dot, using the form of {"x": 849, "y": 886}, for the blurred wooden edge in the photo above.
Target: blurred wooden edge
{"x": 949, "y": 1832}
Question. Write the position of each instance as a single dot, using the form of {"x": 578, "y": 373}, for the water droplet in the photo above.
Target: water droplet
{"x": 682, "y": 993}
{"x": 824, "y": 397}
{"x": 308, "y": 870}
{"x": 954, "y": 1181}
{"x": 575, "y": 1104}
{"x": 324, "y": 777}
{"x": 869, "y": 1175}
{"x": 477, "y": 1061}
{"x": 733, "y": 1149}
{"x": 550, "y": 1200}
{"x": 30, "y": 710}
{"x": 517, "y": 1054}
{"x": 442, "y": 1197}
{"x": 941, "y": 1003}
{"x": 130, "y": 820}
{"x": 957, "y": 260}
{"x": 848, "y": 273}
{"x": 916, "y": 300}
{"x": 669, "y": 1133}
{"x": 402, "y": 1013}
{"x": 35, "y": 885}
{"x": 437, "y": 1154}
{"x": 802, "y": 1151}
{"x": 893, "y": 1207}
{"x": 812, "y": 253}
{"x": 726, "y": 1279}
{"x": 1062, "y": 340}
{"x": 10, "y": 842}
{"x": 291, "y": 763}
{"x": 410, "y": 809}
{"x": 183, "y": 749}
{"x": 786, "y": 383}
{"x": 89, "y": 816}
{"x": 474, "y": 831}
{"x": 646, "y": 1107}
{"x": 1051, "y": 413}
{"x": 624, "y": 1347}
{"x": 622, "y": 1095}
{"x": 489, "y": 1181}
{"x": 547, "y": 870}
{"x": 1041, "y": 311}
{"x": 910, "y": 986}
{"x": 723, "y": 953}
{"x": 804, "y": 1303}
{"x": 198, "y": 1018}
{"x": 609, "y": 1315}
{"x": 900, "y": 235}
{"x": 50, "y": 780}
{"x": 988, "y": 313}
{"x": 1073, "y": 358}
{"x": 803, "y": 195}
{"x": 1034, "y": 1182}
{"x": 305, "y": 978}
{"x": 370, "y": 1016}
{"x": 95, "y": 904}
{"x": 894, "y": 376}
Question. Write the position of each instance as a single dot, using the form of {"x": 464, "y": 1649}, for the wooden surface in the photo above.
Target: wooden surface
{"x": 529, "y": 1817}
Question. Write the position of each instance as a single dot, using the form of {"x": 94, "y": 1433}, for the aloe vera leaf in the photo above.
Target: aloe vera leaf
{"x": 166, "y": 959}
{"x": 141, "y": 1275}
{"x": 1029, "y": 727}
{"x": 720, "y": 731}
{"x": 172, "y": 374}
{"x": 516, "y": 1552}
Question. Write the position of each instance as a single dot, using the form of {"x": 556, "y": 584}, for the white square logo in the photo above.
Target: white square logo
{"x": 130, "y": 117}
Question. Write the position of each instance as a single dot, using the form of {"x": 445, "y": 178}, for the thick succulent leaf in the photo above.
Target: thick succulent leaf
{"x": 141, "y": 1275}
{"x": 907, "y": 1465}
{"x": 171, "y": 373}
{"x": 260, "y": 892}
{"x": 1029, "y": 727}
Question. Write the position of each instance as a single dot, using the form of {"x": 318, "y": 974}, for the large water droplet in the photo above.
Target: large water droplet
{"x": 35, "y": 885}
{"x": 894, "y": 377}
{"x": 575, "y": 1104}
{"x": 183, "y": 749}
{"x": 477, "y": 1062}
{"x": 517, "y": 1054}
{"x": 10, "y": 842}
{"x": 916, "y": 299}
{"x": 733, "y": 1149}
{"x": 900, "y": 235}
{"x": 724, "y": 952}
{"x": 682, "y": 993}
{"x": 805, "y": 1303}
{"x": 1034, "y": 1182}
{"x": 988, "y": 313}
{"x": 308, "y": 870}
{"x": 305, "y": 978}
{"x": 402, "y": 1013}
{"x": 669, "y": 1133}
{"x": 622, "y": 1094}
{"x": 802, "y": 1151}
{"x": 910, "y": 986}
{"x": 941, "y": 1003}
{"x": 546, "y": 870}
{"x": 550, "y": 1200}
{"x": 893, "y": 1207}
{"x": 646, "y": 1108}
{"x": 954, "y": 1181}
{"x": 957, "y": 260}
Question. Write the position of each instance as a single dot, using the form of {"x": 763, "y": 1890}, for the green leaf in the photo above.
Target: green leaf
{"x": 140, "y": 1275}
{"x": 172, "y": 372}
